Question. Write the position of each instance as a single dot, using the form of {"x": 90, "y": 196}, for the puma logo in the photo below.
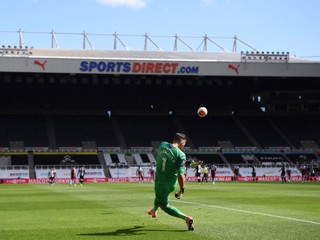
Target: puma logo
{"x": 42, "y": 65}
{"x": 236, "y": 69}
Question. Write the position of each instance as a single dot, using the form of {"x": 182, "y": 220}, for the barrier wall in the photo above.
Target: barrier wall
{"x": 122, "y": 174}
{"x": 65, "y": 173}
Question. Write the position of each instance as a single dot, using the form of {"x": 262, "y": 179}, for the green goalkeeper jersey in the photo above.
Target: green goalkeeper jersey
{"x": 170, "y": 163}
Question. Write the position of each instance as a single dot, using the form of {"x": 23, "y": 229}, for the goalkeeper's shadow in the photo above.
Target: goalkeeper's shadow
{"x": 136, "y": 230}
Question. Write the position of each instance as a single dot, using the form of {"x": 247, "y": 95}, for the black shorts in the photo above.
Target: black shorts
{"x": 81, "y": 179}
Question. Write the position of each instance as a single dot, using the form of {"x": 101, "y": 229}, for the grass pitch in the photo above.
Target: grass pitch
{"x": 118, "y": 211}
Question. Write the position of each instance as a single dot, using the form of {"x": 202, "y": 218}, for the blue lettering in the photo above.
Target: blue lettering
{"x": 119, "y": 64}
{"x": 111, "y": 66}
{"x": 101, "y": 66}
{"x": 84, "y": 66}
{"x": 126, "y": 67}
{"x": 92, "y": 65}
{"x": 118, "y": 67}
{"x": 189, "y": 69}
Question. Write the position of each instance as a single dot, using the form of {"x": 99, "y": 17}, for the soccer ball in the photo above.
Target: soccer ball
{"x": 202, "y": 111}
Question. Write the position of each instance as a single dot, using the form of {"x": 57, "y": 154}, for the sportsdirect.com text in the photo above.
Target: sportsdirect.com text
{"x": 137, "y": 67}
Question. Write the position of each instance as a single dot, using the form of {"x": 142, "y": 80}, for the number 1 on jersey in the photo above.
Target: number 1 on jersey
{"x": 164, "y": 160}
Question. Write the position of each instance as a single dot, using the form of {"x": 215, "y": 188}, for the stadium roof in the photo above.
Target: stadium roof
{"x": 153, "y": 55}
{"x": 128, "y": 62}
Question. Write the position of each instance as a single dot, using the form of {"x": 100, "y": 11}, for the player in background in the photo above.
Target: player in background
{"x": 213, "y": 173}
{"x": 170, "y": 172}
{"x": 186, "y": 172}
{"x": 312, "y": 173}
{"x": 152, "y": 172}
{"x": 283, "y": 173}
{"x": 73, "y": 176}
{"x": 198, "y": 171}
{"x": 205, "y": 173}
{"x": 304, "y": 173}
{"x": 235, "y": 173}
{"x": 81, "y": 173}
{"x": 254, "y": 174}
{"x": 289, "y": 174}
{"x": 140, "y": 174}
{"x": 52, "y": 176}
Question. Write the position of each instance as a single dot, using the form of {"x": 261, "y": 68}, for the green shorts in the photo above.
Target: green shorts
{"x": 162, "y": 192}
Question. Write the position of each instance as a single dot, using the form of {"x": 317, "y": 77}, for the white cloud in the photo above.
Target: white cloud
{"x": 126, "y": 3}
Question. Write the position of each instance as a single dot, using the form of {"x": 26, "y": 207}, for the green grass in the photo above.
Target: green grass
{"x": 118, "y": 211}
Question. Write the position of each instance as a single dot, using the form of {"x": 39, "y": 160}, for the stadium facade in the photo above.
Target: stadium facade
{"x": 115, "y": 106}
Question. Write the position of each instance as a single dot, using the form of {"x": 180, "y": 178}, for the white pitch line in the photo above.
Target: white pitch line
{"x": 250, "y": 212}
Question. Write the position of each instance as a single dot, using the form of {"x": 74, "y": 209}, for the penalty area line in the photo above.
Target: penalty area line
{"x": 249, "y": 212}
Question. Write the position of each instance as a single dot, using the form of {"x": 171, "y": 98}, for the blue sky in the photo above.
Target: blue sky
{"x": 268, "y": 25}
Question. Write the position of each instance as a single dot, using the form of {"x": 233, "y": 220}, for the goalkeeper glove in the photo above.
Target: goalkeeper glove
{"x": 179, "y": 194}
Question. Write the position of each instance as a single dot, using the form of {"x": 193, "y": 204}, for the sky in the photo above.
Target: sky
{"x": 266, "y": 25}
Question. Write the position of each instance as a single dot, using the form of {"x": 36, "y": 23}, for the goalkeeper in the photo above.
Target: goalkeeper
{"x": 169, "y": 172}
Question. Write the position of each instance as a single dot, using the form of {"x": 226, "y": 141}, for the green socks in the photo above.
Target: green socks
{"x": 174, "y": 212}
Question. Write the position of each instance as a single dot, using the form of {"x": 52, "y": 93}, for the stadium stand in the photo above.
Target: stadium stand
{"x": 262, "y": 131}
{"x": 21, "y": 159}
{"x": 302, "y": 157}
{"x": 145, "y": 158}
{"x": 235, "y": 158}
{"x": 206, "y": 158}
{"x": 114, "y": 158}
{"x": 261, "y": 115}
{"x": 211, "y": 130}
{"x": 31, "y": 129}
{"x": 65, "y": 159}
{"x": 273, "y": 158}
{"x": 73, "y": 130}
{"x": 299, "y": 128}
{"x": 148, "y": 128}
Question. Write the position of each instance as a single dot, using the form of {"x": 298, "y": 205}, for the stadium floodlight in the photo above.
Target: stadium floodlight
{"x": 265, "y": 56}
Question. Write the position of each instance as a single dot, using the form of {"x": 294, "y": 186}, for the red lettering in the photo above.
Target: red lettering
{"x": 143, "y": 67}
{"x": 154, "y": 67}
{"x": 158, "y": 68}
{"x": 166, "y": 67}
{"x": 174, "y": 67}
{"x": 150, "y": 68}
{"x": 136, "y": 67}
